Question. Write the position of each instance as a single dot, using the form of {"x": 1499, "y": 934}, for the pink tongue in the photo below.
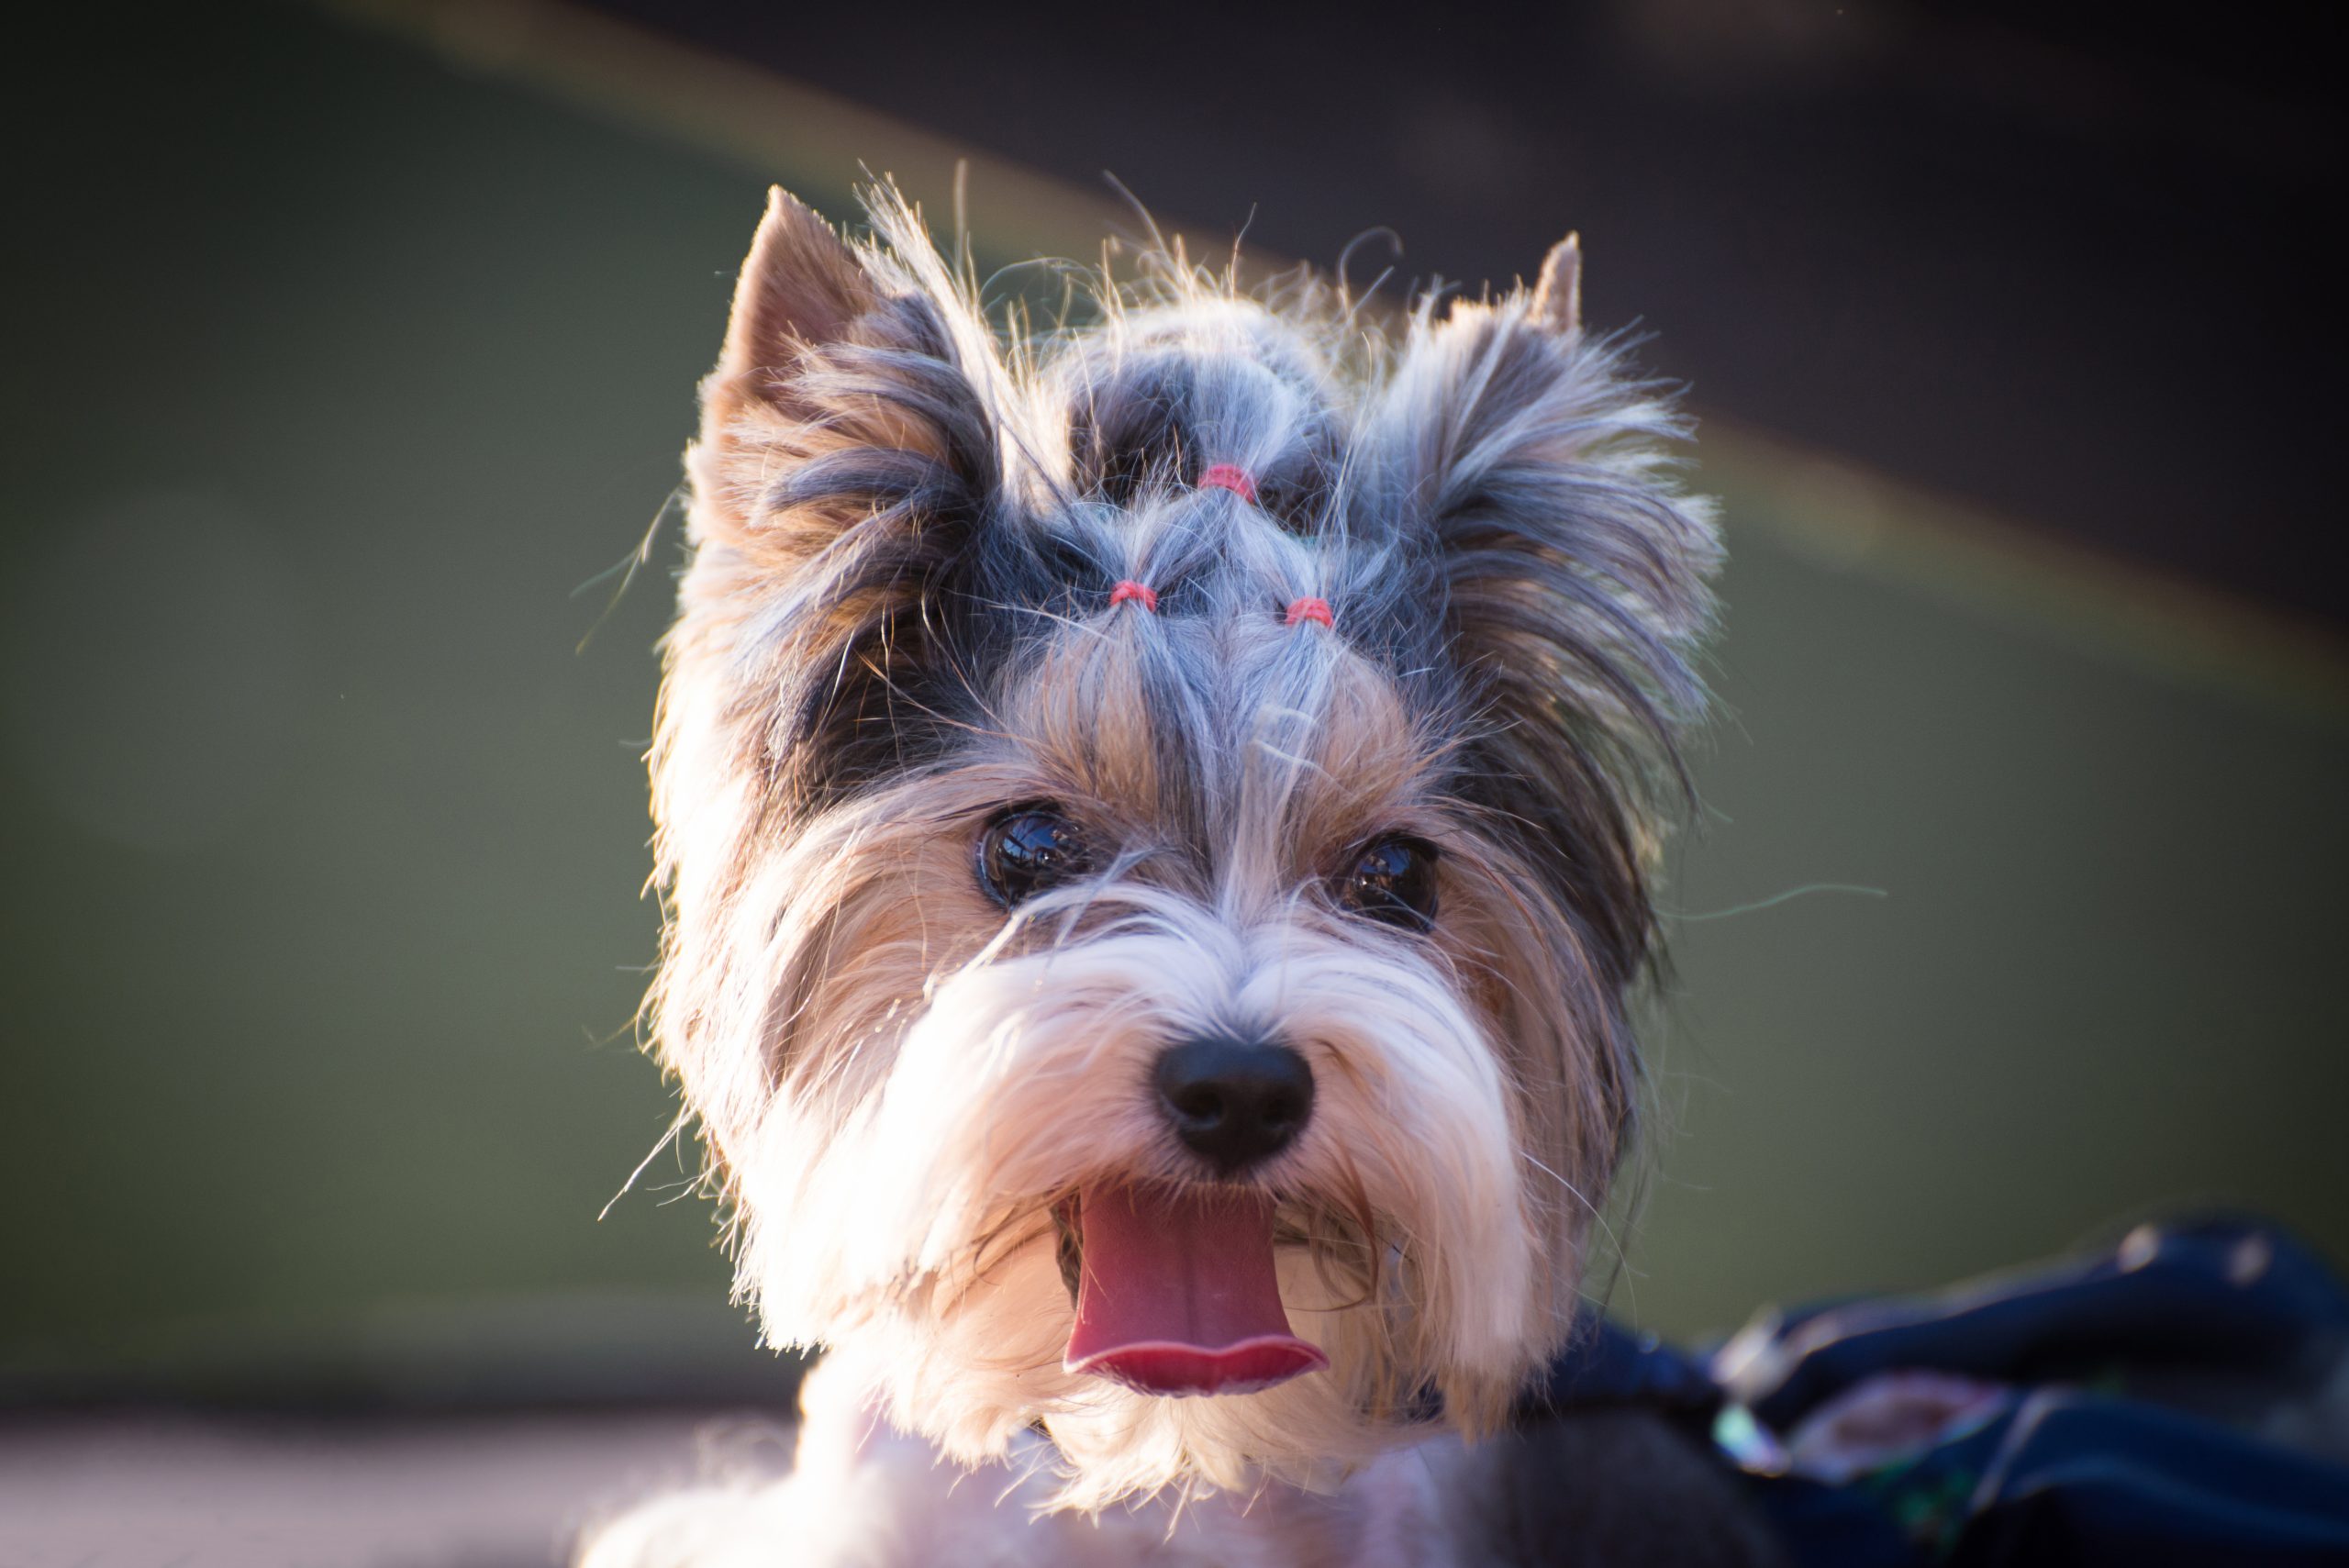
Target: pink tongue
{"x": 1178, "y": 1294}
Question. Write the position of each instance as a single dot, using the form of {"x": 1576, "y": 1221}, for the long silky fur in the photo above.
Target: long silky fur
{"x": 896, "y": 620}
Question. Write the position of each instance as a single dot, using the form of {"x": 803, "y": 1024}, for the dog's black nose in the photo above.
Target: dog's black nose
{"x": 1234, "y": 1101}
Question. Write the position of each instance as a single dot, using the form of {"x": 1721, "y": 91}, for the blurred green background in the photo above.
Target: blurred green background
{"x": 341, "y": 379}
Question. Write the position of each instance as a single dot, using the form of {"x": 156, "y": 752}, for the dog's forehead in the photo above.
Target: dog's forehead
{"x": 1231, "y": 698}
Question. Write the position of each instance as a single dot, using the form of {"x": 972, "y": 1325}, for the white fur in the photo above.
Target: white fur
{"x": 859, "y": 1495}
{"x": 1028, "y": 1075}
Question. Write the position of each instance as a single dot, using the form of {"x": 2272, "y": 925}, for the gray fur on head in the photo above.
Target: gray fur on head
{"x": 1489, "y": 502}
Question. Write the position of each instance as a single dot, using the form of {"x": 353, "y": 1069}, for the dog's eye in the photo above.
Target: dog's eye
{"x": 1393, "y": 881}
{"x": 1026, "y": 851}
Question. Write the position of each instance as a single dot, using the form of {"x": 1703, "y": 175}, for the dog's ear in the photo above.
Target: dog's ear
{"x": 846, "y": 463}
{"x": 800, "y": 288}
{"x": 1515, "y": 457}
{"x": 1557, "y": 295}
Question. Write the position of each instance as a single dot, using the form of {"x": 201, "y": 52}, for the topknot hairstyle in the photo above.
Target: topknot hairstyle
{"x": 1488, "y": 495}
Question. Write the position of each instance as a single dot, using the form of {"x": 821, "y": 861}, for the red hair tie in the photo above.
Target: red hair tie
{"x": 1310, "y": 609}
{"x": 1231, "y": 477}
{"x": 1129, "y": 589}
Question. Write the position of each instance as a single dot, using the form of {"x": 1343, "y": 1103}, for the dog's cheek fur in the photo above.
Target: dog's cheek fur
{"x": 1563, "y": 1037}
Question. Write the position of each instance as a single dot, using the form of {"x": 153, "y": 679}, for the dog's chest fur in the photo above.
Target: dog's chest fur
{"x": 1608, "y": 1488}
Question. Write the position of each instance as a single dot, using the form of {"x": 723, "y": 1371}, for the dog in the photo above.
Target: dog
{"x": 1155, "y": 823}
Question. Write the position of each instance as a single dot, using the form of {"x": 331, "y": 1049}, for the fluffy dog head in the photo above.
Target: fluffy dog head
{"x": 1154, "y": 820}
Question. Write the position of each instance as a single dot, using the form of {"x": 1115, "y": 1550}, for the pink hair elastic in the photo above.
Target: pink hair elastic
{"x": 1229, "y": 476}
{"x": 1311, "y": 609}
{"x": 1141, "y": 592}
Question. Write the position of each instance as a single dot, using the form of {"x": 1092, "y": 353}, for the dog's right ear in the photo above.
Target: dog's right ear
{"x": 847, "y": 460}
{"x": 800, "y": 287}
{"x": 845, "y": 360}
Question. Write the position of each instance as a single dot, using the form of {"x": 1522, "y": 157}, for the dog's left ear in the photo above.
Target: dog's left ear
{"x": 1531, "y": 473}
{"x": 1557, "y": 297}
{"x": 846, "y": 464}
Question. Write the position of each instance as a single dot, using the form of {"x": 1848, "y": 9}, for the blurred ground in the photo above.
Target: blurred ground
{"x": 338, "y": 379}
{"x": 504, "y": 1491}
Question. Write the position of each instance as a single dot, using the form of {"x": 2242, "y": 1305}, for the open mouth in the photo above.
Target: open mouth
{"x": 1175, "y": 1291}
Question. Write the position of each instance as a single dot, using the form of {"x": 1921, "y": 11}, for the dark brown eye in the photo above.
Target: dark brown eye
{"x": 1026, "y": 851}
{"x": 1393, "y": 881}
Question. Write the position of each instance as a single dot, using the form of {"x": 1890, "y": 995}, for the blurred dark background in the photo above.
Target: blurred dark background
{"x": 348, "y": 353}
{"x": 2072, "y": 267}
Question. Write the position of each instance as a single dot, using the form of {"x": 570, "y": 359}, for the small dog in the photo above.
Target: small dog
{"x": 1155, "y": 821}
